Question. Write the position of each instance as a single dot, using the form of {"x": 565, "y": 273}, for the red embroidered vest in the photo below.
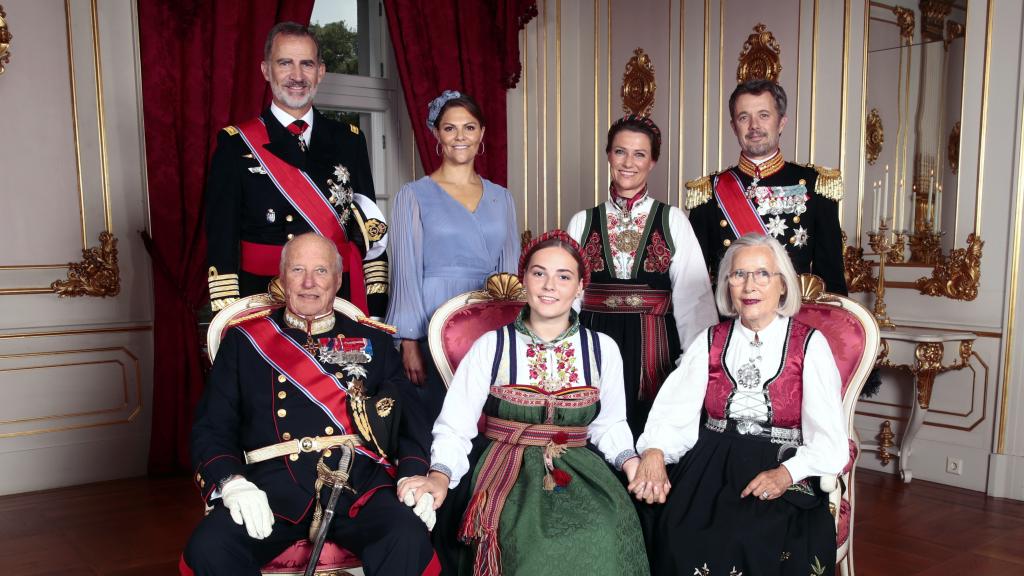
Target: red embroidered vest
{"x": 784, "y": 390}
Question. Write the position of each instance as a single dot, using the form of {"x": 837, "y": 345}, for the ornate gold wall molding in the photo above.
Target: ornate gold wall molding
{"x": 953, "y": 148}
{"x": 958, "y": 275}
{"x": 638, "y": 85}
{"x": 875, "y": 136}
{"x": 96, "y": 275}
{"x": 905, "y": 20}
{"x": 954, "y": 30}
{"x": 5, "y": 41}
{"x": 933, "y": 14}
{"x": 760, "y": 57}
{"x": 857, "y": 270}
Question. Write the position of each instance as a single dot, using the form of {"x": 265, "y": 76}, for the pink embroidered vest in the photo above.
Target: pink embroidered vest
{"x": 784, "y": 390}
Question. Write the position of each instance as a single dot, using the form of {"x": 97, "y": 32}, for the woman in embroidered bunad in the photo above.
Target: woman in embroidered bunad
{"x": 753, "y": 414}
{"x": 537, "y": 495}
{"x": 650, "y": 289}
{"x": 451, "y": 230}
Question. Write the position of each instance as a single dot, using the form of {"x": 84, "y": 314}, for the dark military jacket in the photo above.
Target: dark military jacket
{"x": 243, "y": 204}
{"x": 246, "y": 406}
{"x": 812, "y": 238}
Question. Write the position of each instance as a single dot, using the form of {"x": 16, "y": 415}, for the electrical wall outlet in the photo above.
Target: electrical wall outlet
{"x": 954, "y": 466}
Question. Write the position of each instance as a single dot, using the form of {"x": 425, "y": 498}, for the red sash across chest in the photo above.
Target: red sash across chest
{"x": 784, "y": 390}
{"x": 295, "y": 363}
{"x": 737, "y": 208}
{"x": 300, "y": 191}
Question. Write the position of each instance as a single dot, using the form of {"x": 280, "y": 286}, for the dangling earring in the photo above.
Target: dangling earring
{"x": 437, "y": 148}
{"x": 482, "y": 150}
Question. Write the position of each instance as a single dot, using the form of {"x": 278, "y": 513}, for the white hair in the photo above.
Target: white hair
{"x": 338, "y": 267}
{"x": 789, "y": 302}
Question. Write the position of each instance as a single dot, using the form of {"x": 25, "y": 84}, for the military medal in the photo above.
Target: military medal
{"x": 349, "y": 353}
{"x": 800, "y": 237}
{"x": 271, "y": 215}
{"x": 776, "y": 226}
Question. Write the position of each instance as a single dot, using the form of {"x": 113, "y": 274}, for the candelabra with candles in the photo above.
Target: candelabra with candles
{"x": 882, "y": 242}
{"x": 926, "y": 242}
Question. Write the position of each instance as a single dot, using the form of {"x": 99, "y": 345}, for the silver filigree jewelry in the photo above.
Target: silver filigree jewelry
{"x": 749, "y": 374}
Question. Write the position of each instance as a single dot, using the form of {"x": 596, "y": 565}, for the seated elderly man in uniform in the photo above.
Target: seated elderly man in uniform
{"x": 299, "y": 401}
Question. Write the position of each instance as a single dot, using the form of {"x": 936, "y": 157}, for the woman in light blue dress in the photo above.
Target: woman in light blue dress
{"x": 450, "y": 231}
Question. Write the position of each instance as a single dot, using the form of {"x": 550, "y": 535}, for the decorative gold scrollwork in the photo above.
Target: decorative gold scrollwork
{"x": 638, "y": 85}
{"x": 760, "y": 57}
{"x": 812, "y": 289}
{"x": 954, "y": 30}
{"x": 5, "y": 41}
{"x": 905, "y": 20}
{"x": 96, "y": 275}
{"x": 876, "y": 136}
{"x": 504, "y": 286}
{"x": 857, "y": 271}
{"x": 958, "y": 275}
{"x": 933, "y": 14}
{"x": 885, "y": 443}
{"x": 953, "y": 148}
{"x": 525, "y": 238}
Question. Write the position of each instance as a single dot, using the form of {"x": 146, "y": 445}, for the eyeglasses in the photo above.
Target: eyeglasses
{"x": 761, "y": 277}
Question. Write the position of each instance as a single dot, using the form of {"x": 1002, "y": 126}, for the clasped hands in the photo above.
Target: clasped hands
{"x": 424, "y": 494}
{"x": 648, "y": 479}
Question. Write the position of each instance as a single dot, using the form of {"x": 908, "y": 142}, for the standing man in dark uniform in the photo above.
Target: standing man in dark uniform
{"x": 796, "y": 204}
{"x": 298, "y": 400}
{"x": 290, "y": 171}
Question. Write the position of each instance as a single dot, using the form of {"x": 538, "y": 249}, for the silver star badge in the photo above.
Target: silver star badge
{"x": 800, "y": 237}
{"x": 777, "y": 226}
{"x": 341, "y": 173}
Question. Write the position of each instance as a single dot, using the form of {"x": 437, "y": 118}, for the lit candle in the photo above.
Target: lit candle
{"x": 885, "y": 195}
{"x": 930, "y": 213}
{"x": 876, "y": 193}
{"x": 938, "y": 208}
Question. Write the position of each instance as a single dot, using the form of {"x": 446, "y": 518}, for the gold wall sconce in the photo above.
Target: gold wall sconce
{"x": 638, "y": 85}
{"x": 5, "y": 40}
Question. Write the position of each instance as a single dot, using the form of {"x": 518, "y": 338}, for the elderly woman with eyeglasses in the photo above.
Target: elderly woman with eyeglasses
{"x": 750, "y": 417}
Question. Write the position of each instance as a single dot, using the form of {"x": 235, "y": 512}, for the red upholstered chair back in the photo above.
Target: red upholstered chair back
{"x": 461, "y": 320}
{"x": 334, "y": 560}
{"x": 852, "y": 334}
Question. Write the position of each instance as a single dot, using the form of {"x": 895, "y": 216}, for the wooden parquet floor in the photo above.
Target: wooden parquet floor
{"x": 139, "y": 526}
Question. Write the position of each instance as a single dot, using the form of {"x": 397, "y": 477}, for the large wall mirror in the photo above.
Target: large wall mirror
{"x": 914, "y": 105}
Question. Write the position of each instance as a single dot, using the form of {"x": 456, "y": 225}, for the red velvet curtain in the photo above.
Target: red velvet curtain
{"x": 466, "y": 45}
{"x": 200, "y": 72}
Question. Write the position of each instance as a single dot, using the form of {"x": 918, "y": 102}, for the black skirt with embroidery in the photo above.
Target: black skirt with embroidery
{"x": 706, "y": 529}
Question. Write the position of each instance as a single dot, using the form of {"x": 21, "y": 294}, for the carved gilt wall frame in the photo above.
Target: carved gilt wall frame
{"x": 97, "y": 274}
{"x": 935, "y": 98}
{"x": 875, "y": 137}
{"x": 760, "y": 57}
{"x": 638, "y": 85}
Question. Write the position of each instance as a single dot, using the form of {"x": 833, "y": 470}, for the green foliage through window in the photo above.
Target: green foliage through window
{"x": 338, "y": 47}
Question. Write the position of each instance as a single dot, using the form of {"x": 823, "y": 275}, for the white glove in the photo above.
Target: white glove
{"x": 422, "y": 508}
{"x": 425, "y": 510}
{"x": 248, "y": 506}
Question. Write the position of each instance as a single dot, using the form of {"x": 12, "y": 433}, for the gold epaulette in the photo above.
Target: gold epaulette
{"x": 830, "y": 182}
{"x": 698, "y": 192}
{"x": 354, "y": 129}
{"x": 247, "y": 317}
{"x": 231, "y": 130}
{"x": 367, "y": 321}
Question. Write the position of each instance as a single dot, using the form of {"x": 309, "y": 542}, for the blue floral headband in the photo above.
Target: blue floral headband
{"x": 434, "y": 108}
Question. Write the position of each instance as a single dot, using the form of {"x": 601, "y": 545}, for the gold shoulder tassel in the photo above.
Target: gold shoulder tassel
{"x": 698, "y": 192}
{"x": 830, "y": 183}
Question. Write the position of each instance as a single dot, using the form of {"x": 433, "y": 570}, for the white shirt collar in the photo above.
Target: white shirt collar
{"x": 773, "y": 331}
{"x": 286, "y": 119}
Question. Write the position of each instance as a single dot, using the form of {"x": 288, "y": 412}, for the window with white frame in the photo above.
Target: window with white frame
{"x": 360, "y": 87}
